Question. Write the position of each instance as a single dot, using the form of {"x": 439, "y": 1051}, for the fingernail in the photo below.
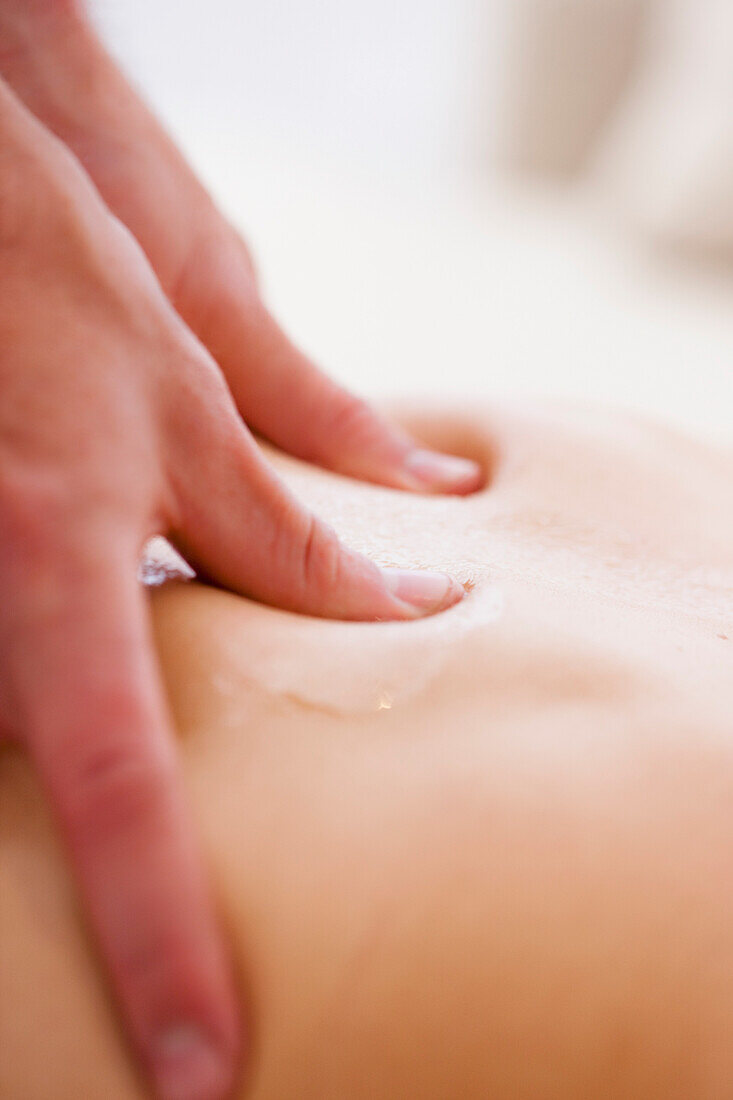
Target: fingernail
{"x": 187, "y": 1066}
{"x": 424, "y": 592}
{"x": 442, "y": 473}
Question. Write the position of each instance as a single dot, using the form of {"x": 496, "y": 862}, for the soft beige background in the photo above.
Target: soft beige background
{"x": 351, "y": 142}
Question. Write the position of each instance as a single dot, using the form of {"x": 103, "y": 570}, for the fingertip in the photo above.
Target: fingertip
{"x": 193, "y": 1049}
{"x": 422, "y": 592}
{"x": 435, "y": 472}
{"x": 187, "y": 1064}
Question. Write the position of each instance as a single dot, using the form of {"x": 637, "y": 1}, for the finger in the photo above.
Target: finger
{"x": 291, "y": 402}
{"x": 87, "y": 704}
{"x": 284, "y": 397}
{"x": 239, "y": 524}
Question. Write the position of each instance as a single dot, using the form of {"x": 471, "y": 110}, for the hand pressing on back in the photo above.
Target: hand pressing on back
{"x": 55, "y": 63}
{"x": 115, "y": 424}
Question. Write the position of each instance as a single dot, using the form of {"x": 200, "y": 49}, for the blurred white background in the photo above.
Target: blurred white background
{"x": 356, "y": 145}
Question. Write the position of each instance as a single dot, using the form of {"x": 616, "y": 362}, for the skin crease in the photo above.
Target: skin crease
{"x": 484, "y": 854}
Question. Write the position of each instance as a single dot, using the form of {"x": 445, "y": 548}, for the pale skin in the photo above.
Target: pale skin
{"x": 136, "y": 354}
{"x": 485, "y": 854}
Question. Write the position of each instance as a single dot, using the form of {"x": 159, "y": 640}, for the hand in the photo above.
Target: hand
{"x": 53, "y": 60}
{"x": 115, "y": 423}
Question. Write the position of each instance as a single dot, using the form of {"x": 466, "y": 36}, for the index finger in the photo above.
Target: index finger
{"x": 88, "y": 706}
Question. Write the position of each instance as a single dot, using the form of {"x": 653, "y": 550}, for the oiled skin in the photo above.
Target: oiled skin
{"x": 482, "y": 855}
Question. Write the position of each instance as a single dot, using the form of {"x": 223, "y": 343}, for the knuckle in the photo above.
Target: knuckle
{"x": 321, "y": 557}
{"x": 111, "y": 787}
{"x": 230, "y": 281}
{"x": 351, "y": 419}
{"x": 200, "y": 405}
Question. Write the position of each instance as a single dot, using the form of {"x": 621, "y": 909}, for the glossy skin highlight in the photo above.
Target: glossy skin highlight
{"x": 484, "y": 854}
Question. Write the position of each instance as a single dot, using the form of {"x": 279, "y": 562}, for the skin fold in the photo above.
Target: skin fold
{"x": 482, "y": 854}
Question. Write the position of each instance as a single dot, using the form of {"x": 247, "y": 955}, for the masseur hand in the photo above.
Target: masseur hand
{"x": 116, "y": 423}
